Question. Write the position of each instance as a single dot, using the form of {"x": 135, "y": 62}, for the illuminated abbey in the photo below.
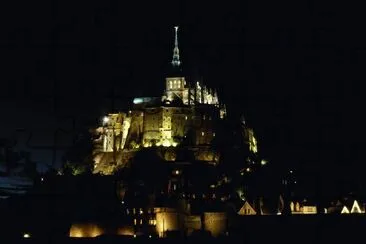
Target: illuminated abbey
{"x": 186, "y": 113}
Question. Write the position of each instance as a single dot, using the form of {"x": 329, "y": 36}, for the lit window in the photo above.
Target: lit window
{"x": 135, "y": 221}
{"x": 141, "y": 212}
{"x": 134, "y": 210}
{"x": 202, "y": 133}
{"x": 140, "y": 221}
{"x": 214, "y": 134}
{"x": 186, "y": 117}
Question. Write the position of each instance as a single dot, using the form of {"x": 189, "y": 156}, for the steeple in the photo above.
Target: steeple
{"x": 176, "y": 61}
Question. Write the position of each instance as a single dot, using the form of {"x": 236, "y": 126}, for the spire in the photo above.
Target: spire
{"x": 175, "y": 61}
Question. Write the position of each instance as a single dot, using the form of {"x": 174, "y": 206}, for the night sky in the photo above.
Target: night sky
{"x": 295, "y": 69}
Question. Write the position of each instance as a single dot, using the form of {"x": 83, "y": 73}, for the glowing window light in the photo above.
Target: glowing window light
{"x": 202, "y": 133}
{"x": 135, "y": 221}
{"x": 26, "y": 235}
{"x": 134, "y": 236}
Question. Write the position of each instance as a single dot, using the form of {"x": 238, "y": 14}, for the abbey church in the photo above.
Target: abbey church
{"x": 187, "y": 114}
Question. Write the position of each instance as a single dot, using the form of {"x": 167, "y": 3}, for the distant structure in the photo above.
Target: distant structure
{"x": 186, "y": 113}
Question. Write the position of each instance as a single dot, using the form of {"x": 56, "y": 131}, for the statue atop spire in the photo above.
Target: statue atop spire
{"x": 176, "y": 61}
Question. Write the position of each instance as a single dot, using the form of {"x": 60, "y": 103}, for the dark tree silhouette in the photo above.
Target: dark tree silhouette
{"x": 79, "y": 158}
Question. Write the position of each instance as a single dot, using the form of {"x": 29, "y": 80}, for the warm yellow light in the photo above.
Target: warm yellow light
{"x": 134, "y": 236}
{"x": 355, "y": 207}
{"x": 174, "y": 144}
{"x": 177, "y": 172}
{"x": 105, "y": 119}
{"x": 264, "y": 162}
{"x": 166, "y": 143}
{"x": 345, "y": 210}
{"x": 248, "y": 169}
{"x": 26, "y": 235}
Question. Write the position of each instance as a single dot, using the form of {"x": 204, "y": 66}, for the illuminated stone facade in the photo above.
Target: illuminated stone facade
{"x": 187, "y": 112}
{"x": 297, "y": 208}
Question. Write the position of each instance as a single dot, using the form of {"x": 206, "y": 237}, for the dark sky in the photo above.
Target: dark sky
{"x": 295, "y": 69}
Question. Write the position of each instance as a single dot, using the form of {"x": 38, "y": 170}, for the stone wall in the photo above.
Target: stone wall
{"x": 215, "y": 222}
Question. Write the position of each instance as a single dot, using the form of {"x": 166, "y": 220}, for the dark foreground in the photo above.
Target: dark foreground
{"x": 249, "y": 229}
